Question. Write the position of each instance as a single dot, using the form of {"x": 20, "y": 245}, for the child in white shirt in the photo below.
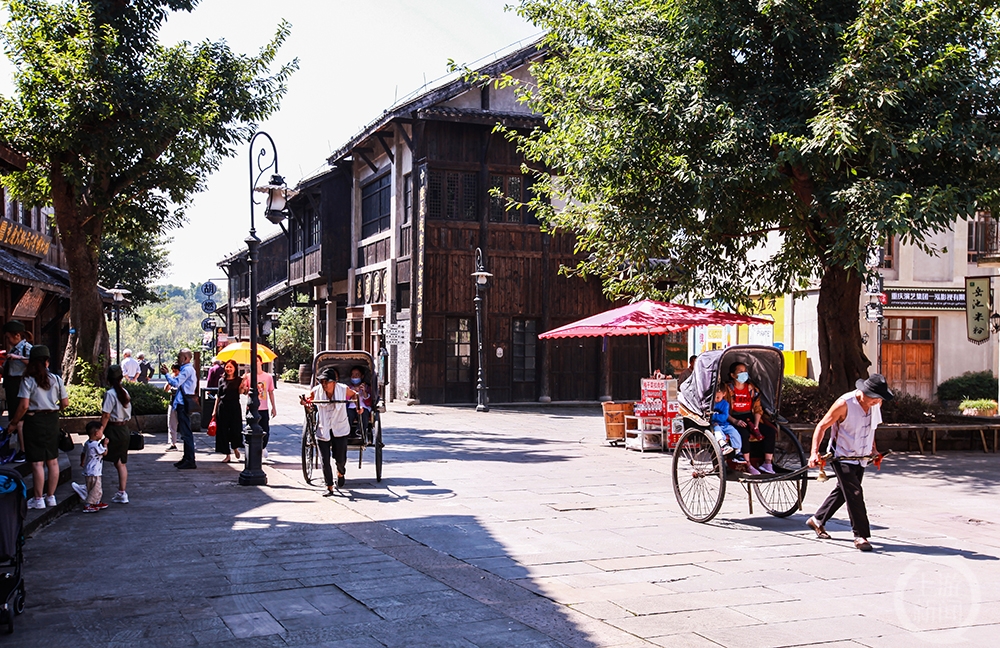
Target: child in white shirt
{"x": 92, "y": 462}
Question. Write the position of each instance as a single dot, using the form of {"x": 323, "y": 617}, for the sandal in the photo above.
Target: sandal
{"x": 820, "y": 530}
{"x": 862, "y": 544}
{"x": 226, "y": 460}
{"x": 236, "y": 452}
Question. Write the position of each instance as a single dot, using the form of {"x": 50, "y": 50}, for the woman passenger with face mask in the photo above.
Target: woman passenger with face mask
{"x": 746, "y": 415}
{"x": 365, "y": 398}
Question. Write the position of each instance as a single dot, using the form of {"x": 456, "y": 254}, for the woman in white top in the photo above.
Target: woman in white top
{"x": 330, "y": 398}
{"x": 115, "y": 415}
{"x": 41, "y": 396}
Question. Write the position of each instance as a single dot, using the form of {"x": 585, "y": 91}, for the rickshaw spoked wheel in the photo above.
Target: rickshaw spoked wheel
{"x": 699, "y": 475}
{"x": 310, "y": 451}
{"x": 378, "y": 448}
{"x": 783, "y": 497}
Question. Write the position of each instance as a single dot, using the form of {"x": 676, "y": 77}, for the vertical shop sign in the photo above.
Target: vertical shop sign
{"x": 977, "y": 308}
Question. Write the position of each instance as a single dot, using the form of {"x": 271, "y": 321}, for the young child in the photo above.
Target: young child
{"x": 92, "y": 462}
{"x": 727, "y": 435}
{"x": 361, "y": 387}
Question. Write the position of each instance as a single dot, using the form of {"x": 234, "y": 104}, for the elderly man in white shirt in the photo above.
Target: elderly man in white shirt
{"x": 130, "y": 366}
{"x": 330, "y": 399}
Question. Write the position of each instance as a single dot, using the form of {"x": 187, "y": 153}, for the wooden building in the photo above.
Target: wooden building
{"x": 385, "y": 243}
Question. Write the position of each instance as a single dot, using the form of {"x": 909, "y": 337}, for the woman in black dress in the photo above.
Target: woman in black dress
{"x": 228, "y": 415}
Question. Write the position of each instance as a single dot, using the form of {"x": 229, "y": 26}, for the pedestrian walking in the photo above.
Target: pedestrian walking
{"x": 183, "y": 403}
{"x": 116, "y": 412}
{"x": 215, "y": 373}
{"x": 330, "y": 398}
{"x": 130, "y": 366}
{"x": 228, "y": 414}
{"x": 40, "y": 398}
{"x": 92, "y": 462}
{"x": 145, "y": 368}
{"x": 853, "y": 419}
{"x": 171, "y": 412}
{"x": 13, "y": 370}
{"x": 265, "y": 393}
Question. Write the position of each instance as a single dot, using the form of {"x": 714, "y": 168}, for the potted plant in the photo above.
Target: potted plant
{"x": 978, "y": 407}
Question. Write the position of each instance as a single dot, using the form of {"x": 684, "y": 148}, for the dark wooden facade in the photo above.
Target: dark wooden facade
{"x": 272, "y": 285}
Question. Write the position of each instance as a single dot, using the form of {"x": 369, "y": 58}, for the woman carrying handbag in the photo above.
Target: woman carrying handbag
{"x": 228, "y": 414}
{"x": 115, "y": 415}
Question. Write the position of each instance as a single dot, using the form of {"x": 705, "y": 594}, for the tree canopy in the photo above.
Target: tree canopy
{"x": 120, "y": 131}
{"x": 685, "y": 135}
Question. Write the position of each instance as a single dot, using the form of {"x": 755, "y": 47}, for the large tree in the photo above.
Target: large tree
{"x": 120, "y": 131}
{"x": 684, "y": 136}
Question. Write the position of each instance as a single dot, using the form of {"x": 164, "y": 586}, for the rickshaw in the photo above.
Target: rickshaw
{"x": 701, "y": 471}
{"x": 366, "y": 433}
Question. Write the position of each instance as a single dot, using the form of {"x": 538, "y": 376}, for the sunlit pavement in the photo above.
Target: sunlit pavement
{"x": 508, "y": 528}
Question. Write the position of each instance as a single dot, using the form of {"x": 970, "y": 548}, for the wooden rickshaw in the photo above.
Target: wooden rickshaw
{"x": 700, "y": 471}
{"x": 367, "y": 432}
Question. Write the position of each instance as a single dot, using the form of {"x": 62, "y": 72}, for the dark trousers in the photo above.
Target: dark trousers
{"x": 757, "y": 449}
{"x": 184, "y": 431}
{"x": 338, "y": 446}
{"x": 848, "y": 490}
{"x": 265, "y": 425}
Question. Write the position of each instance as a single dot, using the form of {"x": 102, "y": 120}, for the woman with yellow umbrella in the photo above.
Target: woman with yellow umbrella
{"x": 240, "y": 352}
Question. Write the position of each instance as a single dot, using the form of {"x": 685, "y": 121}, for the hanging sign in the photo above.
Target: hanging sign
{"x": 208, "y": 306}
{"x": 977, "y": 309}
{"x": 208, "y": 289}
{"x": 207, "y": 324}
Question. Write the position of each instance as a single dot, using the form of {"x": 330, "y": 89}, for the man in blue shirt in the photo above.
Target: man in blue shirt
{"x": 186, "y": 384}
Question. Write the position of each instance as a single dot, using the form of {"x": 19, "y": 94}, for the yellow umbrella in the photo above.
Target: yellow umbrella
{"x": 240, "y": 352}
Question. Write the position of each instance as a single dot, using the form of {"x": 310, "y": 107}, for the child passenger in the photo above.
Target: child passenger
{"x": 727, "y": 435}
{"x": 92, "y": 462}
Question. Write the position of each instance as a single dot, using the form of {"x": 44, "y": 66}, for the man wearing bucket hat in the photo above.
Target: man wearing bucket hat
{"x": 13, "y": 371}
{"x": 853, "y": 419}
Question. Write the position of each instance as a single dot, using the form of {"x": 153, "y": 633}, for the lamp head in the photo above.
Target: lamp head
{"x": 482, "y": 277}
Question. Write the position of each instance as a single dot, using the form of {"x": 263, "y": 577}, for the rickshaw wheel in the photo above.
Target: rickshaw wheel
{"x": 378, "y": 448}
{"x": 699, "y": 475}
{"x": 310, "y": 453}
{"x": 783, "y": 497}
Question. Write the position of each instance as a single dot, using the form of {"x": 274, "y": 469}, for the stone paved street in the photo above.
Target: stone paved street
{"x": 510, "y": 528}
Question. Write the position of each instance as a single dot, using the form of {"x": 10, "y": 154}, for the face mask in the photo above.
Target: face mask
{"x": 742, "y": 377}
{"x": 355, "y": 381}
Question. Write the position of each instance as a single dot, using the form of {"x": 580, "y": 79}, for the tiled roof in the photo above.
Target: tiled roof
{"x": 22, "y": 272}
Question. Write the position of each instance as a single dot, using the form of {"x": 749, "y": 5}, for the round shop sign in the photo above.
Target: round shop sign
{"x": 499, "y": 352}
{"x": 208, "y": 288}
{"x": 208, "y": 306}
{"x": 207, "y": 324}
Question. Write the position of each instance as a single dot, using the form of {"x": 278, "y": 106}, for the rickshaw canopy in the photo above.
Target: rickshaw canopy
{"x": 766, "y": 366}
{"x": 344, "y": 361}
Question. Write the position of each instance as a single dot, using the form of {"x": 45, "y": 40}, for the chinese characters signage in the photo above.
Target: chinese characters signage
{"x": 977, "y": 310}
{"x": 925, "y": 298}
{"x": 21, "y": 238}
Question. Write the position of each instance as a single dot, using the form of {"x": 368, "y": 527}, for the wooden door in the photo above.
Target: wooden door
{"x": 908, "y": 354}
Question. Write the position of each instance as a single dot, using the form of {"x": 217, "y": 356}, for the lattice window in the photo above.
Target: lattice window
{"x": 376, "y": 206}
{"x": 407, "y": 197}
{"x": 524, "y": 344}
{"x": 982, "y": 234}
{"x": 508, "y": 206}
{"x": 452, "y": 195}
{"x": 458, "y": 349}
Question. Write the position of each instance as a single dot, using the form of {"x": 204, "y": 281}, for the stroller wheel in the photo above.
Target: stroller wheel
{"x": 19, "y": 601}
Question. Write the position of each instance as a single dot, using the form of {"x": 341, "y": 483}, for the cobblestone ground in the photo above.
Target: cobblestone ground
{"x": 508, "y": 528}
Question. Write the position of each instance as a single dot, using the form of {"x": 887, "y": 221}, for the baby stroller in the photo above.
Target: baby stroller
{"x": 7, "y": 450}
{"x": 13, "y": 510}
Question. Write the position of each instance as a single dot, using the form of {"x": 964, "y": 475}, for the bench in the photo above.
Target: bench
{"x": 921, "y": 431}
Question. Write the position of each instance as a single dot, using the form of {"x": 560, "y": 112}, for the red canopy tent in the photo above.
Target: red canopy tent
{"x": 649, "y": 318}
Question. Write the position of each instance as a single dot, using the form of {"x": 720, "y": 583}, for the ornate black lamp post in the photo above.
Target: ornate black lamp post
{"x": 118, "y": 294}
{"x": 262, "y": 161}
{"x": 481, "y": 277}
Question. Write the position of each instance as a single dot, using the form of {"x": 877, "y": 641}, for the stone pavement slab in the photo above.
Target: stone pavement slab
{"x": 508, "y": 528}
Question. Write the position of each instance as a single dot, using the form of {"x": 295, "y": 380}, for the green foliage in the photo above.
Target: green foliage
{"x": 84, "y": 400}
{"x": 87, "y": 399}
{"x": 88, "y": 374}
{"x": 135, "y": 265}
{"x": 119, "y": 130}
{"x": 295, "y": 337}
{"x": 801, "y": 401}
{"x": 165, "y": 327}
{"x": 907, "y": 408}
{"x": 981, "y": 404}
{"x": 290, "y": 375}
{"x": 970, "y": 385}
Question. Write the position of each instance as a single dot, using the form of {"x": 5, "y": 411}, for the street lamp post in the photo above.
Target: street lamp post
{"x": 481, "y": 278}
{"x": 118, "y": 294}
{"x": 264, "y": 160}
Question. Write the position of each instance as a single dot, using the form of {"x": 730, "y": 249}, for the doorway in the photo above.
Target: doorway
{"x": 908, "y": 354}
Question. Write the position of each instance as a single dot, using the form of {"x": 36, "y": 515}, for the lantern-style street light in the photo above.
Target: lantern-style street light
{"x": 118, "y": 294}
{"x": 481, "y": 278}
{"x": 261, "y": 161}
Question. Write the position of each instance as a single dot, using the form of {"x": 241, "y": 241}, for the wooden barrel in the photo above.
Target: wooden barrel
{"x": 614, "y": 420}
{"x": 305, "y": 374}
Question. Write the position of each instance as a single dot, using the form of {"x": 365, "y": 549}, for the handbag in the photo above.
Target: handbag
{"x": 136, "y": 441}
{"x": 66, "y": 441}
{"x": 212, "y": 427}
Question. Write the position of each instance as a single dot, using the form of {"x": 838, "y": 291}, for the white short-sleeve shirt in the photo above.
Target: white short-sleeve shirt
{"x": 119, "y": 413}
{"x": 332, "y": 417}
{"x": 43, "y": 399}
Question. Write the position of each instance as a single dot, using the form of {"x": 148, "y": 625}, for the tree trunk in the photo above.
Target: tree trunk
{"x": 841, "y": 352}
{"x": 80, "y": 233}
